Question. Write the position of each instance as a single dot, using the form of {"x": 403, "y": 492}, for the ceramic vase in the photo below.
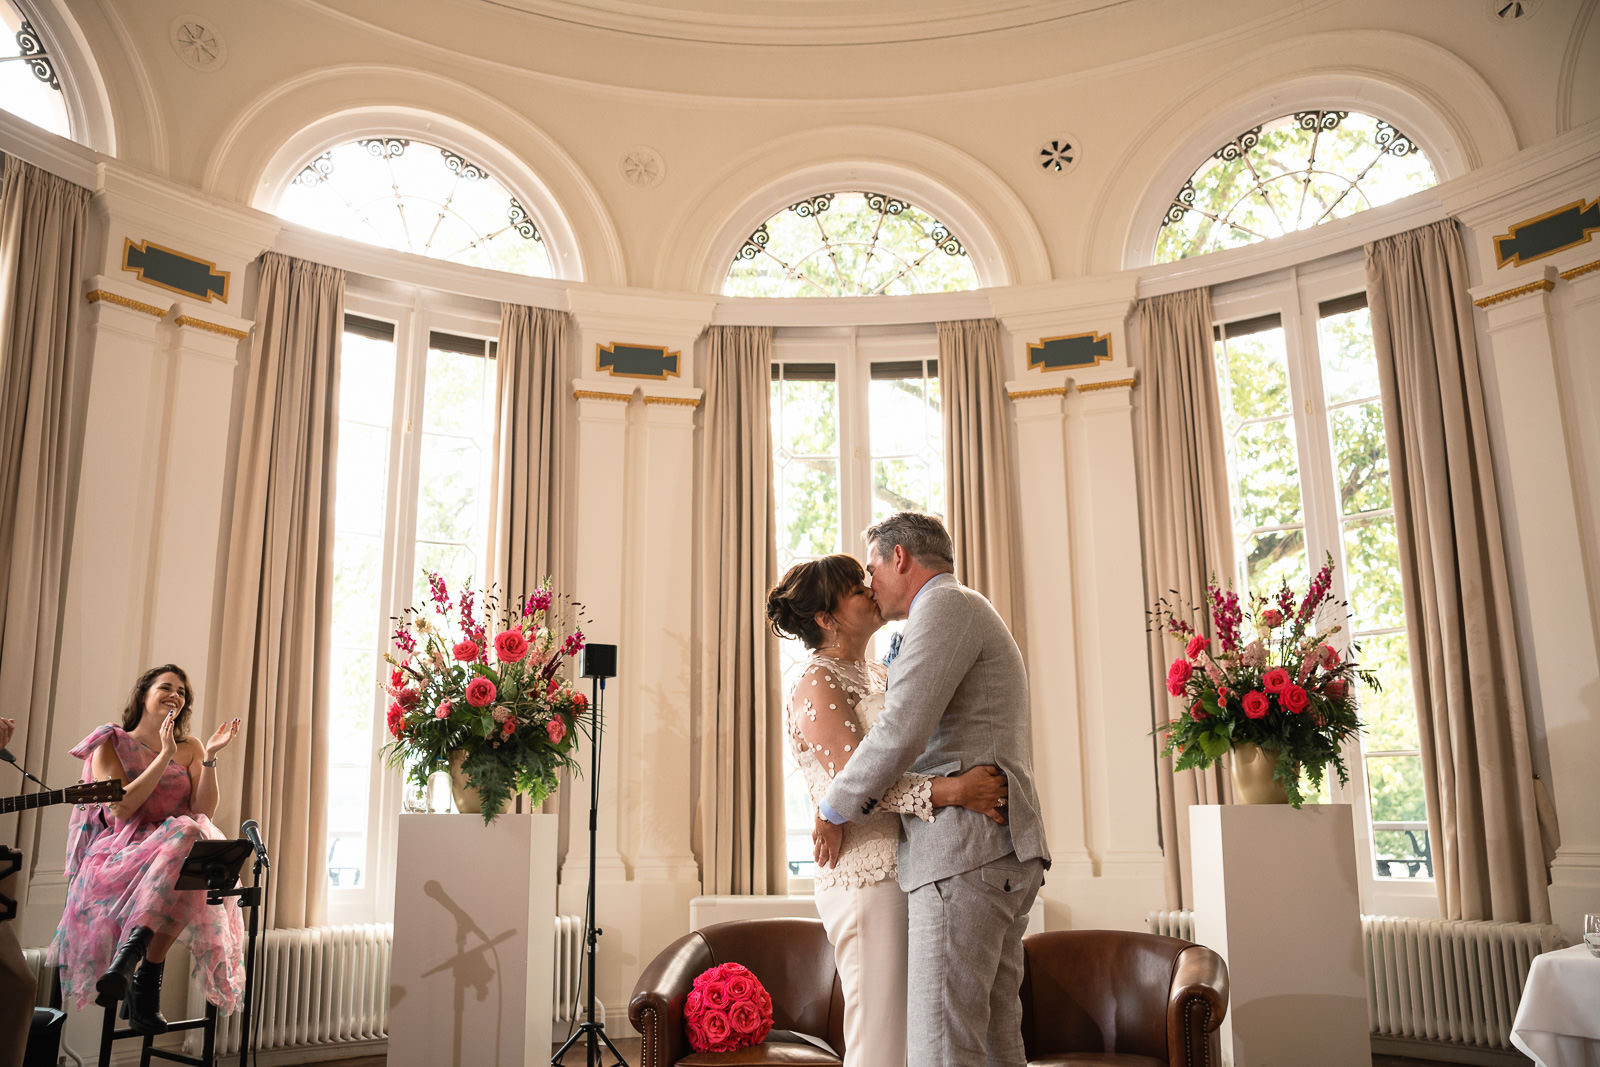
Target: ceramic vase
{"x": 1252, "y": 776}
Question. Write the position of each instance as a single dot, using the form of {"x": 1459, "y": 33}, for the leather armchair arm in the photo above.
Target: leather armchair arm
{"x": 656, "y": 1009}
{"x": 1195, "y": 1008}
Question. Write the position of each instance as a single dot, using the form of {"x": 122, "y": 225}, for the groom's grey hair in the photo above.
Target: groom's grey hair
{"x": 922, "y": 536}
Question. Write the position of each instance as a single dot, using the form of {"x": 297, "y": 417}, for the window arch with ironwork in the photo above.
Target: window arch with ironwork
{"x": 850, "y": 244}
{"x": 30, "y": 82}
{"x": 412, "y": 196}
{"x": 1291, "y": 174}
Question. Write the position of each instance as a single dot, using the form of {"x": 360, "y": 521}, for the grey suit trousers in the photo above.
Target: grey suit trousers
{"x": 964, "y": 967}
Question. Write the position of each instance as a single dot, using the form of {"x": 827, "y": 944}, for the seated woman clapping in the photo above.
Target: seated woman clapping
{"x": 122, "y": 912}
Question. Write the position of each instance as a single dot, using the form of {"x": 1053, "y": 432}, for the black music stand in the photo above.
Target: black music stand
{"x": 214, "y": 866}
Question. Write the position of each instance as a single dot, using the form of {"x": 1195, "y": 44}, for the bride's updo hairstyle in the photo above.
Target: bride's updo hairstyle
{"x": 818, "y": 585}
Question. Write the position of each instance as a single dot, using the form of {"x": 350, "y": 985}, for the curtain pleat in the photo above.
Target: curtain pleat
{"x": 276, "y": 613}
{"x": 739, "y": 815}
{"x": 1188, "y": 529}
{"x": 978, "y": 463}
{"x": 1466, "y": 673}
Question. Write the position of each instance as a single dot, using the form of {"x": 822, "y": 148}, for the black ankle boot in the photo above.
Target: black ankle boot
{"x": 113, "y": 985}
{"x": 144, "y": 1000}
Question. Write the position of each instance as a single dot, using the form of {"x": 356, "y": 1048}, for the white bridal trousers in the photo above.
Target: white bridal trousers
{"x": 868, "y": 930}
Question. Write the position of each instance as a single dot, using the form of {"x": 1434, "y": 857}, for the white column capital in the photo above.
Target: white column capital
{"x": 1506, "y": 305}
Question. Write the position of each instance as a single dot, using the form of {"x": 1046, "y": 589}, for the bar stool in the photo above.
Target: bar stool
{"x": 110, "y": 1032}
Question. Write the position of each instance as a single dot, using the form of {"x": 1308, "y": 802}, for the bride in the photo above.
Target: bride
{"x": 826, "y": 605}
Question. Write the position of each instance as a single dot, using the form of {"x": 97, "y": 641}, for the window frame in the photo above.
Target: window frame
{"x": 413, "y": 320}
{"x": 1296, "y": 296}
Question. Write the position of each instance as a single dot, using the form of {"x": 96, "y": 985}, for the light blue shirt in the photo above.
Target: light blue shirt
{"x": 822, "y": 806}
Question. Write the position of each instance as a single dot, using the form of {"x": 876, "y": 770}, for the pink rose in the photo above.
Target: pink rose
{"x": 1328, "y": 656}
{"x": 557, "y": 729}
{"x": 740, "y": 985}
{"x": 1335, "y": 688}
{"x": 1294, "y": 699}
{"x": 714, "y": 1023}
{"x": 1276, "y": 680}
{"x": 465, "y": 651}
{"x": 1197, "y": 645}
{"x": 714, "y": 992}
{"x": 442, "y": 711}
{"x": 693, "y": 1004}
{"x": 1178, "y": 676}
{"x": 481, "y": 692}
{"x": 510, "y": 646}
{"x": 580, "y": 702}
{"x": 746, "y": 1020}
{"x": 1256, "y": 704}
{"x": 1272, "y": 617}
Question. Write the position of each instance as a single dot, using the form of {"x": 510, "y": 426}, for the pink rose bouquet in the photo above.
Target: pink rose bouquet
{"x": 502, "y": 699}
{"x": 728, "y": 1009}
{"x": 1268, "y": 676}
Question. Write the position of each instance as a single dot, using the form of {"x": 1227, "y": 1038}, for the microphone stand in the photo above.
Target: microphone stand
{"x": 592, "y": 1031}
{"x": 10, "y": 858}
{"x": 249, "y": 897}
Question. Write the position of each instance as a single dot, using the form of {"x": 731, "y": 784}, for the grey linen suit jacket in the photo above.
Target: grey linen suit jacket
{"x": 957, "y": 698}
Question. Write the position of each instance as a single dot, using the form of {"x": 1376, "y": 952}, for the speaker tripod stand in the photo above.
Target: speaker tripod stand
{"x": 599, "y": 663}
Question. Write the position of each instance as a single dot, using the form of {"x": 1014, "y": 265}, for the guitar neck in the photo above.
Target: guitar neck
{"x": 31, "y": 800}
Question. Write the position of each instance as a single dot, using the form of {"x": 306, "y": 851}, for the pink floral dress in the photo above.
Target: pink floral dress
{"x": 120, "y": 874}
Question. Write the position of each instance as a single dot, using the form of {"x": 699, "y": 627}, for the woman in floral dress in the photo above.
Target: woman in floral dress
{"x": 122, "y": 912}
{"x": 826, "y": 605}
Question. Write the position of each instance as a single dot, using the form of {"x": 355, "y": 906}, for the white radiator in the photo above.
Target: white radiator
{"x": 567, "y": 998}
{"x": 1437, "y": 980}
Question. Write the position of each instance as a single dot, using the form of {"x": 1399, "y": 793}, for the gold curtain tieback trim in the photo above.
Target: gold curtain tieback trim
{"x": 1544, "y": 285}
{"x": 1120, "y": 383}
{"x": 1575, "y": 272}
{"x": 1024, "y": 394}
{"x": 212, "y": 327}
{"x": 595, "y": 394}
{"x": 675, "y": 401}
{"x": 98, "y": 295}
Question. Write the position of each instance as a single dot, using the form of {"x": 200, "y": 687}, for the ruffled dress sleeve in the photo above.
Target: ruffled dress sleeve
{"x": 88, "y": 821}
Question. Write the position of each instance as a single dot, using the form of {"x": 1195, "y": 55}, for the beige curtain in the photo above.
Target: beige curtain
{"x": 275, "y": 627}
{"x": 1482, "y": 813}
{"x": 1188, "y": 531}
{"x": 739, "y": 817}
{"x": 43, "y": 221}
{"x": 978, "y": 462}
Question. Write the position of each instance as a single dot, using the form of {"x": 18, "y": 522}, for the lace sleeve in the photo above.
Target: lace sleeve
{"x": 911, "y": 795}
{"x": 823, "y": 709}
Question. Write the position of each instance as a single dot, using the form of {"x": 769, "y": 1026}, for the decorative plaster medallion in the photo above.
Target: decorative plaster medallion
{"x": 197, "y": 43}
{"x": 643, "y": 166}
{"x": 1512, "y": 11}
{"x": 1059, "y": 155}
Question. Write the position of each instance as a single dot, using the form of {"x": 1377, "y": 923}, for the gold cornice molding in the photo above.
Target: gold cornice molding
{"x": 597, "y": 394}
{"x": 1120, "y": 383}
{"x": 212, "y": 327}
{"x": 1024, "y": 394}
{"x": 676, "y": 401}
{"x": 1543, "y": 285}
{"x": 1579, "y": 271}
{"x": 97, "y": 296}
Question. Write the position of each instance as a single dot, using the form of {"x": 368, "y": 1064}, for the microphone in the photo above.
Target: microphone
{"x": 252, "y": 832}
{"x": 5, "y": 754}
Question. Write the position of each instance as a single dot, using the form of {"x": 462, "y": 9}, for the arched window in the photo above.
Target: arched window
{"x": 29, "y": 85}
{"x": 416, "y": 197}
{"x": 1291, "y": 174}
{"x": 850, "y": 244}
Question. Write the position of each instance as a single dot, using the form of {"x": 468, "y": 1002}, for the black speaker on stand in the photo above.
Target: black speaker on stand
{"x": 599, "y": 663}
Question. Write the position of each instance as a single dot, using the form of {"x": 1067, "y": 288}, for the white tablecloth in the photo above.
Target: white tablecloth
{"x": 1558, "y": 1021}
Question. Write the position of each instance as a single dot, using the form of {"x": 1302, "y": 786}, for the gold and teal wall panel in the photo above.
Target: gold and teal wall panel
{"x": 1543, "y": 235}
{"x": 169, "y": 269}
{"x": 636, "y": 361}
{"x": 1072, "y": 350}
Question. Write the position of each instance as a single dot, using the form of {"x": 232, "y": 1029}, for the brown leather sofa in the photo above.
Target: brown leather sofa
{"x": 793, "y": 960}
{"x": 1117, "y": 997}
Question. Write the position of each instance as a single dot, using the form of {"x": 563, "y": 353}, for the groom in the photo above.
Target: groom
{"x": 958, "y": 697}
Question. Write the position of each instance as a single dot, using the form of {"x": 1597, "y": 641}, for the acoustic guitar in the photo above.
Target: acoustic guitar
{"x": 109, "y": 791}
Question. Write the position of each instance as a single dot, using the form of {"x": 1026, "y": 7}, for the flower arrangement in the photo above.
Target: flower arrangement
{"x": 482, "y": 682}
{"x": 1273, "y": 679}
{"x": 728, "y": 1009}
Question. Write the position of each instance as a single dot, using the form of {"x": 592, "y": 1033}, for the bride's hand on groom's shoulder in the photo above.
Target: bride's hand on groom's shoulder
{"x": 826, "y": 839}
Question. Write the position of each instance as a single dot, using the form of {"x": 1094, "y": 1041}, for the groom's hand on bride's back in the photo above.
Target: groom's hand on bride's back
{"x": 826, "y": 840}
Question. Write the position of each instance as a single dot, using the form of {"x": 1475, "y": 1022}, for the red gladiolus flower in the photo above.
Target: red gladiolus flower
{"x": 510, "y": 646}
{"x": 1197, "y": 645}
{"x": 408, "y": 697}
{"x": 1272, "y": 617}
{"x": 1294, "y": 699}
{"x": 1276, "y": 680}
{"x": 1178, "y": 676}
{"x": 1336, "y": 688}
{"x": 1256, "y": 704}
{"x": 465, "y": 651}
{"x": 480, "y": 692}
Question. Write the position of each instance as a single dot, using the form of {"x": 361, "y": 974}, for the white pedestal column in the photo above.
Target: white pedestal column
{"x": 473, "y": 961}
{"x": 1275, "y": 894}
